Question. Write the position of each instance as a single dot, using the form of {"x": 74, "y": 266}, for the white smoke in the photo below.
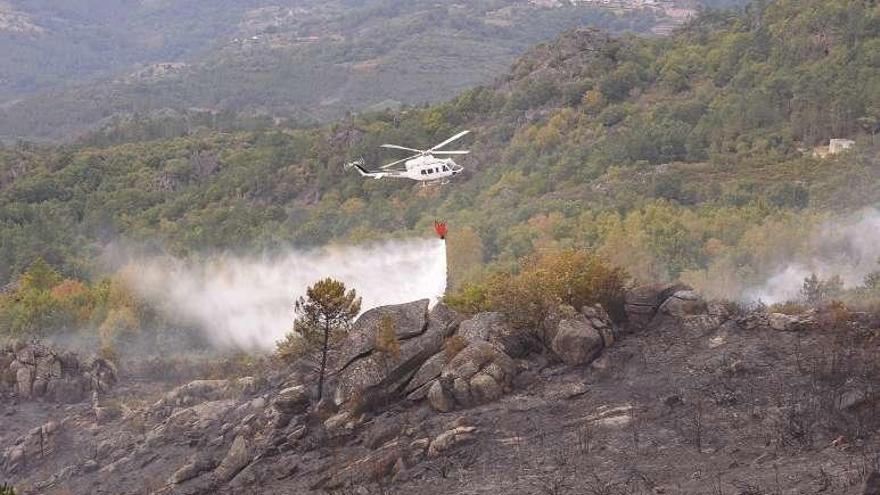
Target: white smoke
{"x": 247, "y": 302}
{"x": 849, "y": 248}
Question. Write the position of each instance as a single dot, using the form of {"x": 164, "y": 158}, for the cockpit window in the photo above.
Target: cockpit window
{"x": 445, "y": 168}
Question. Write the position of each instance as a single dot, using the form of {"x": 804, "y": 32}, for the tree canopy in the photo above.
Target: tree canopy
{"x": 681, "y": 158}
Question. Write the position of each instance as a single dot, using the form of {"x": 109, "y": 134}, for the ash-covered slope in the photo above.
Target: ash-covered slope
{"x": 687, "y": 397}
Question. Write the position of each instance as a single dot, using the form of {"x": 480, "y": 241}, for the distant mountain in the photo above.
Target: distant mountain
{"x": 70, "y": 65}
{"x": 48, "y": 44}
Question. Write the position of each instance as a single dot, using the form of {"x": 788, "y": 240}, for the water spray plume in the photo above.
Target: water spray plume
{"x": 247, "y": 302}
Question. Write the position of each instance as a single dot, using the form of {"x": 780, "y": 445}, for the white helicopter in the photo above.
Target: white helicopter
{"x": 423, "y": 166}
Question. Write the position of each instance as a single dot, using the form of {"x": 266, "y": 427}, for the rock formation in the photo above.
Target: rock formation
{"x": 642, "y": 303}
{"x": 463, "y": 391}
{"x": 34, "y": 370}
{"x": 372, "y": 376}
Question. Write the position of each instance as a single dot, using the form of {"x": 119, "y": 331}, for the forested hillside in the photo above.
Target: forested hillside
{"x": 74, "y": 65}
{"x": 681, "y": 158}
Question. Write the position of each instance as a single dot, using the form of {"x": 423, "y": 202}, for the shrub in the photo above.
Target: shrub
{"x": 788, "y": 308}
{"x": 545, "y": 282}
{"x": 470, "y": 299}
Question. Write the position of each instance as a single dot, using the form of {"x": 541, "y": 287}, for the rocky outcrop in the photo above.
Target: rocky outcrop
{"x": 479, "y": 373}
{"x": 374, "y": 376}
{"x": 236, "y": 459}
{"x": 201, "y": 391}
{"x": 580, "y": 339}
{"x": 417, "y": 388}
{"x": 643, "y": 302}
{"x": 482, "y": 327}
{"x": 492, "y": 327}
{"x": 222, "y": 436}
{"x": 37, "y": 371}
{"x": 409, "y": 320}
{"x": 577, "y": 342}
{"x": 684, "y": 303}
{"x": 451, "y": 438}
{"x": 777, "y": 321}
{"x": 789, "y": 323}
{"x": 32, "y": 448}
{"x": 292, "y": 400}
{"x": 201, "y": 463}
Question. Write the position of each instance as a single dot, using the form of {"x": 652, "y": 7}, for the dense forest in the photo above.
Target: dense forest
{"x": 683, "y": 158}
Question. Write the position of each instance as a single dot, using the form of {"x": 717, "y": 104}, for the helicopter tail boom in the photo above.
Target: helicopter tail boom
{"x": 359, "y": 165}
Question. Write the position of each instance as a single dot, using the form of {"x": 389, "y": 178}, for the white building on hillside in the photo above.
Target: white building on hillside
{"x": 837, "y": 145}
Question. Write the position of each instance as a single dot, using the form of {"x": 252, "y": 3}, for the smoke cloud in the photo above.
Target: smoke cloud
{"x": 849, "y": 248}
{"x": 247, "y": 302}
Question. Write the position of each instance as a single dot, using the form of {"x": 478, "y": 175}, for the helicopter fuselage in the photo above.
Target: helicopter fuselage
{"x": 430, "y": 168}
{"x": 426, "y": 168}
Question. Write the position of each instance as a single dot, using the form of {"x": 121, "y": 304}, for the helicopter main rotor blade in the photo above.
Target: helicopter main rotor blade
{"x": 389, "y": 165}
{"x": 396, "y": 147}
{"x": 453, "y": 138}
{"x": 450, "y": 152}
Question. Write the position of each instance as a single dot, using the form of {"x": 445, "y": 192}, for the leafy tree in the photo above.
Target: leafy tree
{"x": 816, "y": 290}
{"x": 325, "y": 314}
{"x": 471, "y": 298}
{"x": 871, "y": 123}
{"x": 871, "y": 282}
{"x": 31, "y": 309}
{"x": 40, "y": 276}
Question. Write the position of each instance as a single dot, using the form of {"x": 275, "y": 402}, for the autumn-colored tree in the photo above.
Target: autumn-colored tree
{"x": 75, "y": 299}
{"x": 122, "y": 314}
{"x": 40, "y": 276}
{"x": 572, "y": 277}
{"x": 31, "y": 309}
{"x": 323, "y": 315}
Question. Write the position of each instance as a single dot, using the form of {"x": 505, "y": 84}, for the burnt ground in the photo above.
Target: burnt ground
{"x": 683, "y": 407}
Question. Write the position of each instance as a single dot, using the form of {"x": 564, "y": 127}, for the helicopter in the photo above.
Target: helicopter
{"x": 423, "y": 167}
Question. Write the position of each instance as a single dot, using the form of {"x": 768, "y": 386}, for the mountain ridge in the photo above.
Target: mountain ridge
{"x": 308, "y": 62}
